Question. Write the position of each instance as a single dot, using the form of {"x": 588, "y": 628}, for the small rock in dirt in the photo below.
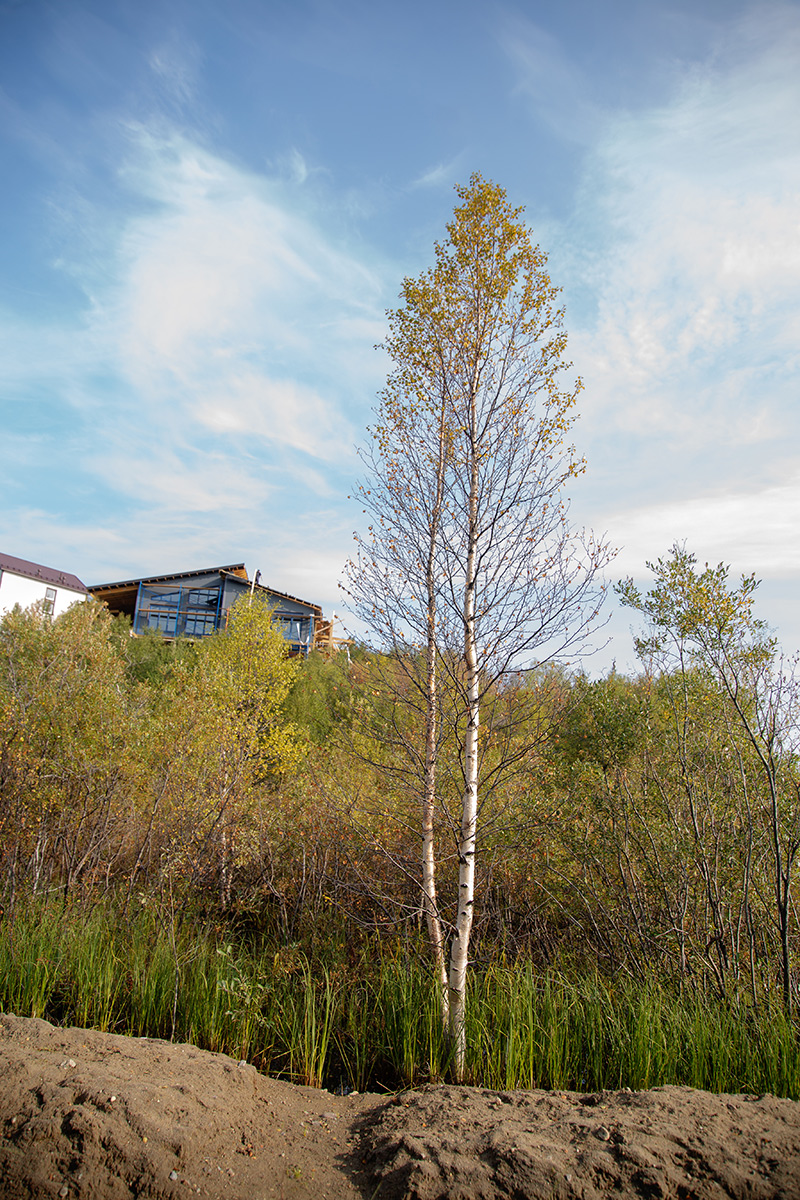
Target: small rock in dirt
{"x": 68, "y": 1062}
{"x": 602, "y": 1134}
{"x": 173, "y": 1175}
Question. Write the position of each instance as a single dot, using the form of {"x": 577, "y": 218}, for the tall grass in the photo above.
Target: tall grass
{"x": 586, "y": 1033}
{"x": 324, "y": 1019}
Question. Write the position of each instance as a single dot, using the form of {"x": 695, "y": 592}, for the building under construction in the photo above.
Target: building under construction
{"x": 194, "y": 604}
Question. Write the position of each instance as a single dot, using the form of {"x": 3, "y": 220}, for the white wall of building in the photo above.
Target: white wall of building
{"x": 16, "y": 589}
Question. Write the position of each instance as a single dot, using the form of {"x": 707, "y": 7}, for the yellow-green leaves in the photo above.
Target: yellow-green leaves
{"x": 698, "y": 610}
{"x": 102, "y": 769}
{"x": 238, "y": 688}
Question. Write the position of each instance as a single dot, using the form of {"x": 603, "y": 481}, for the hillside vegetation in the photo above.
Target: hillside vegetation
{"x": 217, "y": 843}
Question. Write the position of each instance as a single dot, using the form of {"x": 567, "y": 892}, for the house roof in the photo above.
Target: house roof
{"x": 237, "y": 569}
{"x": 32, "y": 570}
{"x": 122, "y": 594}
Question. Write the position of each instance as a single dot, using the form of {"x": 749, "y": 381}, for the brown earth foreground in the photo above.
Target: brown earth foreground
{"x": 103, "y": 1117}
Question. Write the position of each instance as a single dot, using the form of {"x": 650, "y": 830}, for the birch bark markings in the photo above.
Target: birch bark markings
{"x": 459, "y": 950}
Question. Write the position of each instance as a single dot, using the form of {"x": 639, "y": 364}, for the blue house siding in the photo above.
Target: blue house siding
{"x": 195, "y": 604}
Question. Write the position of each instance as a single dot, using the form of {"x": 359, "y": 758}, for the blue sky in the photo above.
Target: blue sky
{"x": 207, "y": 208}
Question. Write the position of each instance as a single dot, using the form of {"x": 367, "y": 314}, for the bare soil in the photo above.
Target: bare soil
{"x": 102, "y": 1117}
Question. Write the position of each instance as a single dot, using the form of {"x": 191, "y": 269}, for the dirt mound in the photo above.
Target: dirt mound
{"x": 668, "y": 1142}
{"x": 101, "y": 1117}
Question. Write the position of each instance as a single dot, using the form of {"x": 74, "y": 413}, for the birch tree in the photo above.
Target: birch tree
{"x": 393, "y": 584}
{"x": 471, "y": 566}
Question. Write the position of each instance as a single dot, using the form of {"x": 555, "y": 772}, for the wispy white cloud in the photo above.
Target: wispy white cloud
{"x": 298, "y": 167}
{"x": 175, "y": 63}
{"x": 301, "y": 554}
{"x": 681, "y": 267}
{"x": 167, "y": 477}
{"x": 442, "y": 175}
{"x": 556, "y": 90}
{"x": 224, "y": 350}
{"x": 223, "y": 308}
{"x": 697, "y": 278}
{"x": 752, "y": 531}
{"x": 683, "y": 263}
{"x": 279, "y": 409}
{"x": 115, "y": 546}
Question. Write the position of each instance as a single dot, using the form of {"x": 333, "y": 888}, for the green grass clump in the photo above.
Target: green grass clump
{"x": 30, "y": 960}
{"x": 590, "y": 1034}
{"x": 374, "y": 1020}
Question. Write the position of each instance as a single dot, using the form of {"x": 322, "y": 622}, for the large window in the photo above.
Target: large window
{"x": 296, "y": 628}
{"x": 178, "y": 612}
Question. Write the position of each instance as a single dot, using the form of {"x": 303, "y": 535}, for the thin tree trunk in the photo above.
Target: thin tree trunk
{"x": 459, "y": 953}
{"x": 430, "y": 906}
{"x": 429, "y": 902}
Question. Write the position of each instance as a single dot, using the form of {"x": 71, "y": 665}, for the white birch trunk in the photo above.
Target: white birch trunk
{"x": 459, "y": 952}
{"x": 428, "y": 849}
{"x": 429, "y": 902}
